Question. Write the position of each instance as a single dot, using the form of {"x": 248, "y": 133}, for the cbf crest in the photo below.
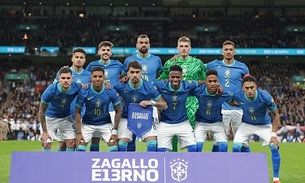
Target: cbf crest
{"x": 98, "y": 103}
{"x": 179, "y": 169}
{"x": 106, "y": 73}
{"x": 144, "y": 68}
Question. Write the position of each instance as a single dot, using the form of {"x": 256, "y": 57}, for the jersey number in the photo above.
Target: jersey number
{"x": 97, "y": 112}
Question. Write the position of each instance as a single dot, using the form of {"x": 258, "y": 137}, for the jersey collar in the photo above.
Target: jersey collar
{"x": 60, "y": 89}
{"x": 143, "y": 58}
{"x": 71, "y": 68}
{"x": 130, "y": 85}
{"x": 100, "y": 62}
{"x": 228, "y": 64}
{"x": 172, "y": 89}
{"x": 94, "y": 91}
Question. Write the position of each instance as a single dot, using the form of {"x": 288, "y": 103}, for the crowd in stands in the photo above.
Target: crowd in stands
{"x": 69, "y": 30}
{"x": 21, "y": 113}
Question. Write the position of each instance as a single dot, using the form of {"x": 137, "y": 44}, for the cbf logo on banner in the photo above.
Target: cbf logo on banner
{"x": 139, "y": 119}
{"x": 153, "y": 167}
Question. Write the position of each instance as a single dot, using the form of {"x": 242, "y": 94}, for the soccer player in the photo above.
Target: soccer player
{"x": 97, "y": 118}
{"x": 113, "y": 70}
{"x": 151, "y": 68}
{"x": 256, "y": 121}
{"x": 230, "y": 74}
{"x": 192, "y": 69}
{"x": 173, "y": 120}
{"x": 81, "y": 76}
{"x": 137, "y": 90}
{"x": 208, "y": 115}
{"x": 54, "y": 110}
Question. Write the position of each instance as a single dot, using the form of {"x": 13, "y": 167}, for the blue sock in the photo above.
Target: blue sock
{"x": 223, "y": 146}
{"x": 215, "y": 148}
{"x": 82, "y": 148}
{"x": 122, "y": 146}
{"x": 60, "y": 149}
{"x": 245, "y": 148}
{"x": 95, "y": 147}
{"x": 192, "y": 148}
{"x": 132, "y": 145}
{"x": 161, "y": 149}
{"x": 151, "y": 146}
{"x": 113, "y": 148}
{"x": 199, "y": 146}
{"x": 46, "y": 150}
{"x": 70, "y": 149}
{"x": 237, "y": 146}
{"x": 276, "y": 160}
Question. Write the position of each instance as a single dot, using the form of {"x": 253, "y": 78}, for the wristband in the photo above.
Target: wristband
{"x": 114, "y": 132}
{"x": 79, "y": 133}
{"x": 273, "y": 134}
{"x": 153, "y": 102}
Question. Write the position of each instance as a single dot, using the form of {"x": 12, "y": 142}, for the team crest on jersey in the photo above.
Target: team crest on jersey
{"x": 179, "y": 169}
{"x": 106, "y": 73}
{"x": 174, "y": 98}
{"x": 134, "y": 98}
{"x": 144, "y": 68}
{"x": 78, "y": 80}
{"x": 251, "y": 111}
{"x": 227, "y": 73}
{"x": 209, "y": 104}
{"x": 98, "y": 103}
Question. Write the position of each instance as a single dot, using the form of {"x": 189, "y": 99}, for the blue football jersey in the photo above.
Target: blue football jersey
{"x": 229, "y": 76}
{"x": 145, "y": 91}
{"x": 58, "y": 101}
{"x": 255, "y": 112}
{"x": 112, "y": 72}
{"x": 82, "y": 77}
{"x": 209, "y": 110}
{"x": 175, "y": 99}
{"x": 97, "y": 104}
{"x": 151, "y": 65}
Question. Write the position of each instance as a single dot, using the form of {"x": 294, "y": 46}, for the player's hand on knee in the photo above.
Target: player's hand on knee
{"x": 80, "y": 139}
{"x": 275, "y": 141}
{"x": 113, "y": 140}
{"x": 45, "y": 139}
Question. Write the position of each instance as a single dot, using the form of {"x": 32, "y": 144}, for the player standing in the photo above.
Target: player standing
{"x": 113, "y": 69}
{"x": 151, "y": 68}
{"x": 192, "y": 69}
{"x": 230, "y": 74}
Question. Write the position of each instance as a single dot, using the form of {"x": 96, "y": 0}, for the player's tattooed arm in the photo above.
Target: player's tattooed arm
{"x": 42, "y": 118}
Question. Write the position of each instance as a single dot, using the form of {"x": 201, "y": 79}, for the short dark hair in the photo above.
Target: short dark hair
{"x": 175, "y": 68}
{"x": 134, "y": 64}
{"x": 81, "y": 50}
{"x": 64, "y": 70}
{"x": 105, "y": 43}
{"x": 142, "y": 36}
{"x": 249, "y": 79}
{"x": 211, "y": 72}
{"x": 97, "y": 68}
{"x": 228, "y": 42}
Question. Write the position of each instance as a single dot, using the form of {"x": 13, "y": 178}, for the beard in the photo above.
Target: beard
{"x": 143, "y": 50}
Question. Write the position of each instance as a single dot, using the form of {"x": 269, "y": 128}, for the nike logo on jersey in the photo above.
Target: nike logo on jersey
{"x": 125, "y": 91}
{"x": 90, "y": 98}
{"x": 242, "y": 103}
{"x": 56, "y": 97}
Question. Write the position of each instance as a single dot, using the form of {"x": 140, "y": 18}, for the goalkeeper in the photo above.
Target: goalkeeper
{"x": 193, "y": 69}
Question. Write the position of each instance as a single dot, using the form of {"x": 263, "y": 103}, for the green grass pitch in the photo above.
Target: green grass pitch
{"x": 292, "y": 154}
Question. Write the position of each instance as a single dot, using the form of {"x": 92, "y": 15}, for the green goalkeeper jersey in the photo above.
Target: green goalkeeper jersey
{"x": 193, "y": 68}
